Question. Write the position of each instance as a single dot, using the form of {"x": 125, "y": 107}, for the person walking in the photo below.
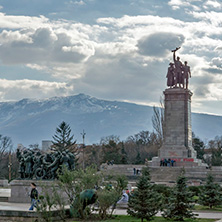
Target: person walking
{"x": 34, "y": 196}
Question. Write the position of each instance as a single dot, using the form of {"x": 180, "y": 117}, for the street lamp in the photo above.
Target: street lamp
{"x": 83, "y": 146}
{"x": 10, "y": 166}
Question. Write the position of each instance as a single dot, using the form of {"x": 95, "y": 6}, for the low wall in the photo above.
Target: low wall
{"x": 4, "y": 183}
{"x": 166, "y": 175}
{"x": 27, "y": 216}
{"x": 20, "y": 190}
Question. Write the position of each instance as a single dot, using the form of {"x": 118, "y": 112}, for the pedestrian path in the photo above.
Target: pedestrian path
{"x": 4, "y": 192}
{"x": 5, "y": 206}
{"x": 207, "y": 215}
{"x": 14, "y": 206}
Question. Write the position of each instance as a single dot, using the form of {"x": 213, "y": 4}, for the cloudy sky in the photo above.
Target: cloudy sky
{"x": 110, "y": 49}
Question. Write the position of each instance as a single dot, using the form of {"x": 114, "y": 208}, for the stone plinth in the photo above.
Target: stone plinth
{"x": 3, "y": 183}
{"x": 20, "y": 190}
{"x": 177, "y": 129}
{"x": 165, "y": 175}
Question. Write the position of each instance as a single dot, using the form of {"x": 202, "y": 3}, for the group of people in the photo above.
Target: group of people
{"x": 136, "y": 171}
{"x": 167, "y": 162}
{"x": 178, "y": 73}
{"x": 111, "y": 162}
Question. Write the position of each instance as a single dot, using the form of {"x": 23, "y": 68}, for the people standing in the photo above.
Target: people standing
{"x": 124, "y": 198}
{"x": 34, "y": 196}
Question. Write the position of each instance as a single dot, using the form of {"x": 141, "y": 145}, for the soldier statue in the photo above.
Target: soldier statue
{"x": 178, "y": 74}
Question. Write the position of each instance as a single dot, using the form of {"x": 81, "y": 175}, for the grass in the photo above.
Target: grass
{"x": 205, "y": 208}
{"x": 126, "y": 218}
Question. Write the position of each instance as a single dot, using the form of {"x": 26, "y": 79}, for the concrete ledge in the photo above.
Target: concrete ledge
{"x": 27, "y": 216}
{"x": 122, "y": 205}
{"x": 4, "y": 183}
{"x": 165, "y": 174}
{"x": 20, "y": 189}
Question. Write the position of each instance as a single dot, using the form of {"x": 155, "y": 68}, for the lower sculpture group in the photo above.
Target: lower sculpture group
{"x": 178, "y": 73}
{"x": 33, "y": 164}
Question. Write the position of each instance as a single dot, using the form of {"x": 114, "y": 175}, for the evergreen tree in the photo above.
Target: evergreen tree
{"x": 210, "y": 195}
{"x": 216, "y": 158}
{"x": 199, "y": 146}
{"x": 111, "y": 152}
{"x": 123, "y": 155}
{"x": 138, "y": 159}
{"x": 180, "y": 203}
{"x": 63, "y": 140}
{"x": 145, "y": 202}
{"x": 215, "y": 146}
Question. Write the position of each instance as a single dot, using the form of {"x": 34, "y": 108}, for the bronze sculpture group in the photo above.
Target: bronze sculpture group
{"x": 33, "y": 164}
{"x": 178, "y": 73}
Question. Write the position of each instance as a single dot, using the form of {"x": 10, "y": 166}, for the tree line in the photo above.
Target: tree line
{"x": 136, "y": 149}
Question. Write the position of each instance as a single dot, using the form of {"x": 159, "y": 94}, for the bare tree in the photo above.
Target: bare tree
{"x": 141, "y": 138}
{"x": 5, "y": 153}
{"x": 5, "y": 146}
{"x": 158, "y": 119}
{"x": 106, "y": 140}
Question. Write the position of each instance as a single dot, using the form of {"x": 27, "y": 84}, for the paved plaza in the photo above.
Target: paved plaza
{"x": 4, "y": 192}
{"x": 5, "y": 206}
{"x": 208, "y": 215}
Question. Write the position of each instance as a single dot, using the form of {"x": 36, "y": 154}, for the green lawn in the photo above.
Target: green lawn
{"x": 200, "y": 207}
{"x": 125, "y": 218}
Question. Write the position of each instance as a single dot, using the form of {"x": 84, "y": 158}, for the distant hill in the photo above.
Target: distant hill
{"x": 31, "y": 121}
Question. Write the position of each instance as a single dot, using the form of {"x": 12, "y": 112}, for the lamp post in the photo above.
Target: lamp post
{"x": 9, "y": 166}
{"x": 83, "y": 146}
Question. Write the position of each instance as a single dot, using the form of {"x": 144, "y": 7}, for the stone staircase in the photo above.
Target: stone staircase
{"x": 165, "y": 174}
{"x": 121, "y": 169}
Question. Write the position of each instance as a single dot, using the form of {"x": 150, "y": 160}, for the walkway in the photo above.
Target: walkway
{"x": 5, "y": 206}
{"x": 207, "y": 215}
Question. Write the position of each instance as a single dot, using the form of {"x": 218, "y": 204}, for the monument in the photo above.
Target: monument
{"x": 36, "y": 165}
{"x": 177, "y": 128}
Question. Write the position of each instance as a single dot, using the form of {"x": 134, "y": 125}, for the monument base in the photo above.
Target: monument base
{"x": 3, "y": 183}
{"x": 179, "y": 162}
{"x": 21, "y": 189}
{"x": 195, "y": 175}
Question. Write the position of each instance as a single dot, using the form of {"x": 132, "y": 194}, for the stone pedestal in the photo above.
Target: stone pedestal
{"x": 3, "y": 183}
{"x": 20, "y": 190}
{"x": 177, "y": 143}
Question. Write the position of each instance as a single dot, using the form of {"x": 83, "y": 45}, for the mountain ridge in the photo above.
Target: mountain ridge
{"x": 30, "y": 121}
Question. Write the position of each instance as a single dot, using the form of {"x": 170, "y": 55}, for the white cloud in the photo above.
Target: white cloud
{"x": 176, "y": 4}
{"x": 215, "y": 18}
{"x": 27, "y": 22}
{"x": 217, "y": 62}
{"x": 124, "y": 58}
{"x": 19, "y": 89}
{"x": 78, "y": 2}
{"x": 44, "y": 47}
{"x": 212, "y": 4}
{"x": 159, "y": 44}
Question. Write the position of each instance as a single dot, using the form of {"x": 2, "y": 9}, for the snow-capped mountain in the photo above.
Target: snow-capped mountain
{"x": 30, "y": 121}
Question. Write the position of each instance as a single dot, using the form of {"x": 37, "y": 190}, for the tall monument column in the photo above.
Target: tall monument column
{"x": 177, "y": 143}
{"x": 177, "y": 129}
